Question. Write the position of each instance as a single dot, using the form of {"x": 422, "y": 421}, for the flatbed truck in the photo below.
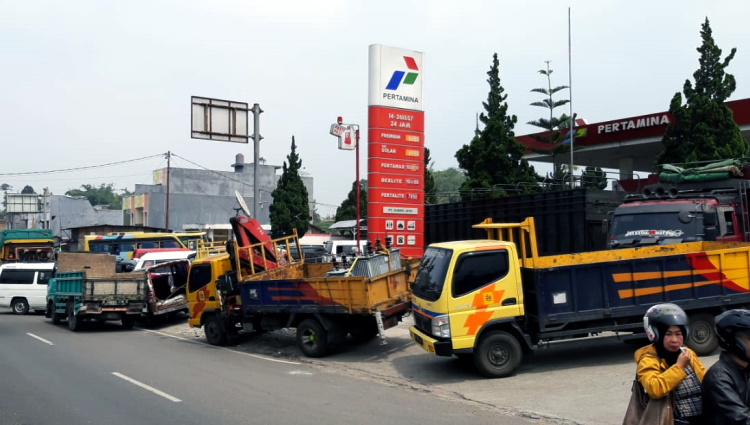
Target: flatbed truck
{"x": 493, "y": 300}
{"x": 85, "y": 287}
{"x": 230, "y": 293}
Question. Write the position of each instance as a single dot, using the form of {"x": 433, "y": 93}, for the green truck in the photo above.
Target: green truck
{"x": 86, "y": 288}
{"x": 27, "y": 245}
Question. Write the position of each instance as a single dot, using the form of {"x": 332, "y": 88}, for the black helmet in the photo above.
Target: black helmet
{"x": 660, "y": 317}
{"x": 728, "y": 327}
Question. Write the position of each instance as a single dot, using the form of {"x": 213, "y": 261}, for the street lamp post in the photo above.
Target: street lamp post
{"x": 344, "y": 132}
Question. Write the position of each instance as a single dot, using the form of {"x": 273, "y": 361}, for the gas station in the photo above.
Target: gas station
{"x": 629, "y": 145}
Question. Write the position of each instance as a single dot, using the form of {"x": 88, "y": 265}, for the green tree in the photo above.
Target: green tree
{"x": 429, "y": 179}
{"x": 552, "y": 138}
{"x": 102, "y": 195}
{"x": 348, "y": 209}
{"x": 5, "y": 187}
{"x": 703, "y": 127}
{"x": 27, "y": 190}
{"x": 493, "y": 161}
{"x": 448, "y": 184}
{"x": 290, "y": 208}
{"x": 594, "y": 178}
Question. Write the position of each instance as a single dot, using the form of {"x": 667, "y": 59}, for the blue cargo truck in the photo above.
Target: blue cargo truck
{"x": 86, "y": 288}
{"x": 492, "y": 300}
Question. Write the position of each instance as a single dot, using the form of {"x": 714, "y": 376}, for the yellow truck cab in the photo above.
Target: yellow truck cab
{"x": 202, "y": 294}
{"x": 465, "y": 288}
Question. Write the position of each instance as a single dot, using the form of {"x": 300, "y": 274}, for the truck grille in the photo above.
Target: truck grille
{"x": 422, "y": 323}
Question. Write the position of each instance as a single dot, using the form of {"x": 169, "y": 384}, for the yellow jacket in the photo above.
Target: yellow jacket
{"x": 657, "y": 378}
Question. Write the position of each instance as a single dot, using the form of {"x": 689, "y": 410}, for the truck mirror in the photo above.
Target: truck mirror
{"x": 605, "y": 226}
{"x": 686, "y": 217}
{"x": 709, "y": 218}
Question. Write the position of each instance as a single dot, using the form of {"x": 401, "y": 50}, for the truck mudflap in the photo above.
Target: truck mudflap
{"x": 430, "y": 344}
{"x": 393, "y": 314}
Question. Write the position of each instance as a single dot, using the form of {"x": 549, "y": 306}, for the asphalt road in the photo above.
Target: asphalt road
{"x": 576, "y": 382}
{"x": 108, "y": 375}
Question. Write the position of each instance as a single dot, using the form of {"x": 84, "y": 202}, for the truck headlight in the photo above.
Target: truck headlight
{"x": 441, "y": 326}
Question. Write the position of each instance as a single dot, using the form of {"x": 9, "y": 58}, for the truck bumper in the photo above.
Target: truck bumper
{"x": 430, "y": 344}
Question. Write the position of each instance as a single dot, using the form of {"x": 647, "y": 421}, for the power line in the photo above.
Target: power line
{"x": 159, "y": 155}
{"x": 68, "y": 170}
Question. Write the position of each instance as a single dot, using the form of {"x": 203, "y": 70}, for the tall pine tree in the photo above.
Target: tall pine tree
{"x": 493, "y": 161}
{"x": 290, "y": 208}
{"x": 552, "y": 137}
{"x": 703, "y": 128}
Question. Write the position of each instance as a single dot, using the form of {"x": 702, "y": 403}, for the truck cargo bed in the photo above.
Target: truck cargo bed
{"x": 617, "y": 289}
{"x": 334, "y": 294}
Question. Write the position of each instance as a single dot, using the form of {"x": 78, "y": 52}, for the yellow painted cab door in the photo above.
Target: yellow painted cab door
{"x": 483, "y": 286}
{"x": 201, "y": 293}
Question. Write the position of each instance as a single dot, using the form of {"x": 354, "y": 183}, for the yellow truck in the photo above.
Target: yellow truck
{"x": 241, "y": 291}
{"x": 493, "y": 300}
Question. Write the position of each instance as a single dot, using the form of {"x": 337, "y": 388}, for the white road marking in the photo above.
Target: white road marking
{"x": 300, "y": 372}
{"x": 39, "y": 338}
{"x": 146, "y": 387}
{"x": 270, "y": 359}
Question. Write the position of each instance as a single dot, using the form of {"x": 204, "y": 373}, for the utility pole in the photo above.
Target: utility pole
{"x": 256, "y": 156}
{"x": 166, "y": 208}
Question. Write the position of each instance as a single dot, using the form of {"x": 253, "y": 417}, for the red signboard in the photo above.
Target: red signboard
{"x": 396, "y": 119}
{"x": 396, "y": 166}
{"x": 395, "y": 182}
{"x": 390, "y": 151}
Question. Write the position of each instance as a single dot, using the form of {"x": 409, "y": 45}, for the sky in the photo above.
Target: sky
{"x": 97, "y": 92}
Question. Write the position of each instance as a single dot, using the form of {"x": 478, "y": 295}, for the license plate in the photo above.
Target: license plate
{"x": 418, "y": 339}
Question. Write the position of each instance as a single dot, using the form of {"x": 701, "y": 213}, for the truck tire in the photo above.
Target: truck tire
{"x": 20, "y": 306}
{"x": 703, "y": 339}
{"x": 74, "y": 322}
{"x": 149, "y": 320}
{"x": 312, "y": 339}
{"x": 498, "y": 355}
{"x": 56, "y": 317}
{"x": 363, "y": 331}
{"x": 127, "y": 321}
{"x": 215, "y": 332}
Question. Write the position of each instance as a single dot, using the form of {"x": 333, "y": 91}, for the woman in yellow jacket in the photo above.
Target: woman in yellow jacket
{"x": 666, "y": 366}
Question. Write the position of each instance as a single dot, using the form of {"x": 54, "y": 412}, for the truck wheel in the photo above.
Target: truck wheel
{"x": 127, "y": 321}
{"x": 149, "y": 320}
{"x": 74, "y": 322}
{"x": 703, "y": 339}
{"x": 312, "y": 339}
{"x": 20, "y": 306}
{"x": 214, "y": 330}
{"x": 498, "y": 355}
{"x": 364, "y": 331}
{"x": 56, "y": 317}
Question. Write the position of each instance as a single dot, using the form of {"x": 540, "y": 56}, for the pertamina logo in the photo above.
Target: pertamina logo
{"x": 404, "y": 77}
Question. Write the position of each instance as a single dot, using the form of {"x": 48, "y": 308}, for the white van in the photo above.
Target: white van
{"x": 23, "y": 286}
{"x": 339, "y": 249}
{"x": 153, "y": 258}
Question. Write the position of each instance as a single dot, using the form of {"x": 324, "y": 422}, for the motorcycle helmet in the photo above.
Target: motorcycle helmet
{"x": 660, "y": 317}
{"x": 729, "y": 326}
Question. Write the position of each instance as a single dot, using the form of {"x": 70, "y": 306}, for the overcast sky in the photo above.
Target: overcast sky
{"x": 92, "y": 82}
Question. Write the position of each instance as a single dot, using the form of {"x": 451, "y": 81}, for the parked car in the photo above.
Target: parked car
{"x": 343, "y": 250}
{"x": 23, "y": 286}
{"x": 153, "y": 258}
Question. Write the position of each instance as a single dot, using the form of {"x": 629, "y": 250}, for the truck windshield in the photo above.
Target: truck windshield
{"x": 431, "y": 274}
{"x": 653, "y": 229}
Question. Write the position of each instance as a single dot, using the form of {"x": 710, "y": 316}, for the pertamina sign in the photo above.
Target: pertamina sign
{"x": 395, "y": 148}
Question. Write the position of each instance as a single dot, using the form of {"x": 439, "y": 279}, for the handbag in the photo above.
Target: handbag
{"x": 644, "y": 410}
